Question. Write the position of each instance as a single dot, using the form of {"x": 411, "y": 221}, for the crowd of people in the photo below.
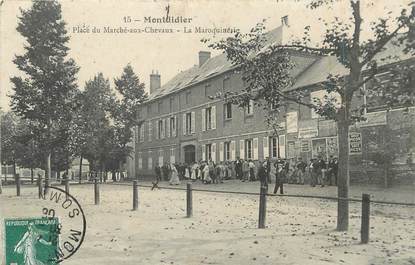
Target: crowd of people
{"x": 294, "y": 171}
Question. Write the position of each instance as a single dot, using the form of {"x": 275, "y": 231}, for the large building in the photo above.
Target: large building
{"x": 183, "y": 124}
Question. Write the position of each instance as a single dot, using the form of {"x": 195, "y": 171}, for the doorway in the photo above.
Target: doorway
{"x": 189, "y": 154}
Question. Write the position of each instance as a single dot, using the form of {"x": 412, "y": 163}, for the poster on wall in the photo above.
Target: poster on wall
{"x": 355, "y": 143}
{"x": 332, "y": 147}
{"x": 290, "y": 149}
{"x": 305, "y": 146}
{"x": 319, "y": 148}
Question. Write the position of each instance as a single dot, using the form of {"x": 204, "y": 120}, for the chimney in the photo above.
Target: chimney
{"x": 203, "y": 57}
{"x": 154, "y": 81}
{"x": 284, "y": 21}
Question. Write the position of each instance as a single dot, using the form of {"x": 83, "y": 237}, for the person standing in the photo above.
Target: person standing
{"x": 321, "y": 166}
{"x": 238, "y": 168}
{"x": 174, "y": 180}
{"x": 301, "y": 166}
{"x": 206, "y": 177}
{"x": 332, "y": 170}
{"x": 157, "y": 170}
{"x": 279, "y": 177}
{"x": 251, "y": 170}
{"x": 245, "y": 171}
{"x": 263, "y": 174}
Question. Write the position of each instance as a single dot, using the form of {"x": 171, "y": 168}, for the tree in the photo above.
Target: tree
{"x": 44, "y": 95}
{"x": 94, "y": 132}
{"x": 125, "y": 114}
{"x": 8, "y": 144}
{"x": 265, "y": 68}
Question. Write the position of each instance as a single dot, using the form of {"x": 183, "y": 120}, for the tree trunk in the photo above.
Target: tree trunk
{"x": 14, "y": 170}
{"x": 31, "y": 175}
{"x": 48, "y": 172}
{"x": 343, "y": 177}
{"x": 80, "y": 169}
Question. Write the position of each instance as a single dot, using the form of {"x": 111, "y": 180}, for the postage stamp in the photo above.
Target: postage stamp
{"x": 49, "y": 238}
{"x": 31, "y": 241}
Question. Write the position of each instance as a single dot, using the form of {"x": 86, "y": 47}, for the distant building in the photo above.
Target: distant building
{"x": 183, "y": 125}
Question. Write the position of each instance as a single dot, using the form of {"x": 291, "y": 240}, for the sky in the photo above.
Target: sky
{"x": 168, "y": 53}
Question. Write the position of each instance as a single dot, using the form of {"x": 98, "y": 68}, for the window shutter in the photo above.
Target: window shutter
{"x": 184, "y": 124}
{"x": 203, "y": 119}
{"x": 251, "y": 103}
{"x": 142, "y": 133}
{"x": 167, "y": 127}
{"x": 233, "y": 150}
{"x": 214, "y": 152}
{"x": 203, "y": 152}
{"x": 157, "y": 129}
{"x": 150, "y": 160}
{"x": 175, "y": 126}
{"x": 163, "y": 128}
{"x": 281, "y": 143}
{"x": 161, "y": 157}
{"x": 140, "y": 161}
{"x": 172, "y": 156}
{"x": 255, "y": 149}
{"x": 221, "y": 151}
{"x": 242, "y": 149}
{"x": 213, "y": 117}
{"x": 265, "y": 143}
{"x": 193, "y": 130}
{"x": 150, "y": 131}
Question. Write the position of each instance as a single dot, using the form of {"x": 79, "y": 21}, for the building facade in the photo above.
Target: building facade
{"x": 182, "y": 123}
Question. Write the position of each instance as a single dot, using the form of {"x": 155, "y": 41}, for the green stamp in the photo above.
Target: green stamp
{"x": 31, "y": 241}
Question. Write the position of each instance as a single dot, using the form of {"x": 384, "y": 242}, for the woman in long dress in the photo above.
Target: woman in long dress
{"x": 26, "y": 245}
{"x": 174, "y": 179}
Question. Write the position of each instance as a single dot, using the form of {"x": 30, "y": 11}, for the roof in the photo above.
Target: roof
{"x": 214, "y": 66}
{"x": 320, "y": 70}
{"x": 307, "y": 70}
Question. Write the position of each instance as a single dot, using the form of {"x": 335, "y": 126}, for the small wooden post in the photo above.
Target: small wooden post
{"x": 262, "y": 207}
{"x": 67, "y": 187}
{"x": 96, "y": 191}
{"x": 189, "y": 208}
{"x": 364, "y": 232}
{"x": 18, "y": 184}
{"x": 135, "y": 195}
{"x": 39, "y": 187}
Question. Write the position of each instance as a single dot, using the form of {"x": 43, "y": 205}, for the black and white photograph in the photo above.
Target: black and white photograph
{"x": 193, "y": 132}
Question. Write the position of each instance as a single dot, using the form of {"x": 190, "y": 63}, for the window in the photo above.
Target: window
{"x": 172, "y": 122}
{"x": 209, "y": 118}
{"x": 188, "y": 97}
{"x": 142, "y": 133}
{"x": 159, "y": 107}
{"x": 208, "y": 152}
{"x": 248, "y": 149}
{"x": 148, "y": 109}
{"x": 171, "y": 103}
{"x": 188, "y": 123}
{"x": 227, "y": 150}
{"x": 160, "y": 129}
{"x": 228, "y": 111}
{"x": 207, "y": 90}
{"x": 274, "y": 147}
{"x": 250, "y": 108}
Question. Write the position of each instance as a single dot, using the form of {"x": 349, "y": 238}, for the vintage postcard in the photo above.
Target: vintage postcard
{"x": 207, "y": 132}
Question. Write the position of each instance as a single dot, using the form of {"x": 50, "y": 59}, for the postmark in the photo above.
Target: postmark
{"x": 54, "y": 235}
